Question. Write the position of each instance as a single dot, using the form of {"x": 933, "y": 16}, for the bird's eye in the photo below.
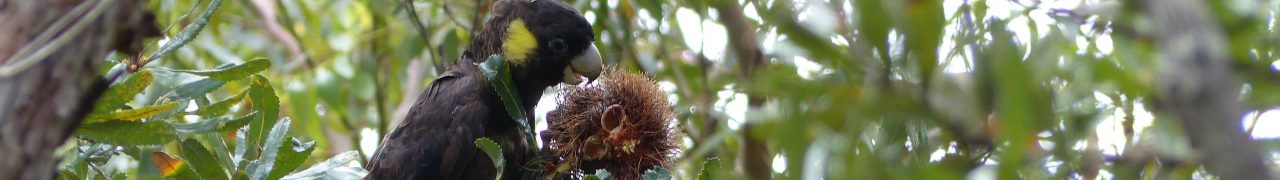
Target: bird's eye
{"x": 558, "y": 45}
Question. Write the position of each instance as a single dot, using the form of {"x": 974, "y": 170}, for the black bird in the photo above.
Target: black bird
{"x": 544, "y": 42}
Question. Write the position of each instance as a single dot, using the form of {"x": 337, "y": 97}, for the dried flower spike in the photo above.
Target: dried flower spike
{"x": 623, "y": 124}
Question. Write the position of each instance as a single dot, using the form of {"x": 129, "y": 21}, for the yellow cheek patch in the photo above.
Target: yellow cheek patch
{"x": 519, "y": 43}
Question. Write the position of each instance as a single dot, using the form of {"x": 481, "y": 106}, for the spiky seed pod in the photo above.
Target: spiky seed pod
{"x": 623, "y": 124}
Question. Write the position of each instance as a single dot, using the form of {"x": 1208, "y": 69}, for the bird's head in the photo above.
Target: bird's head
{"x": 545, "y": 41}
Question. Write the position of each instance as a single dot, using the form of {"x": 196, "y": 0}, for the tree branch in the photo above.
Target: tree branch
{"x": 1196, "y": 86}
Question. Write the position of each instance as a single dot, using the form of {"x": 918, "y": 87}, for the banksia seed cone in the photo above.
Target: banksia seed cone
{"x": 623, "y": 124}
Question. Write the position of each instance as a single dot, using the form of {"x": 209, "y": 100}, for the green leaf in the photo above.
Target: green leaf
{"x": 117, "y": 95}
{"x": 494, "y": 151}
{"x": 188, "y": 33}
{"x": 221, "y": 107}
{"x": 600, "y": 174}
{"x": 261, "y": 168}
{"x": 219, "y": 124}
{"x": 266, "y": 102}
{"x": 196, "y": 89}
{"x": 498, "y": 74}
{"x": 202, "y": 160}
{"x": 291, "y": 157}
{"x": 657, "y": 173}
{"x": 133, "y": 114}
{"x": 232, "y": 73}
{"x": 332, "y": 168}
{"x": 709, "y": 169}
{"x": 128, "y": 132}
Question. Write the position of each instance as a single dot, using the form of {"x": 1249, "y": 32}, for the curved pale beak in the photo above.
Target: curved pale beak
{"x": 588, "y": 65}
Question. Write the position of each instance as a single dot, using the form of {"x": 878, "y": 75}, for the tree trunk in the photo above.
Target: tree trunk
{"x": 1195, "y": 85}
{"x": 47, "y": 88}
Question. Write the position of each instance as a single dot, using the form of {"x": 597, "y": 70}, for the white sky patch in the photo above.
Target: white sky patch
{"x": 807, "y": 69}
{"x": 733, "y": 105}
{"x": 1110, "y": 130}
{"x": 818, "y": 17}
{"x": 1275, "y": 65}
{"x": 779, "y": 163}
{"x": 191, "y": 107}
{"x": 1268, "y": 125}
{"x": 672, "y": 95}
{"x": 704, "y": 36}
{"x": 1104, "y": 43}
{"x": 368, "y": 141}
{"x": 545, "y": 105}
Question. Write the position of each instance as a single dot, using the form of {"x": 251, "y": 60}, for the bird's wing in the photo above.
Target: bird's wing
{"x": 436, "y": 138}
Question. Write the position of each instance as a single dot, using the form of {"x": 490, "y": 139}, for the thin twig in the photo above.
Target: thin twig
{"x": 20, "y": 61}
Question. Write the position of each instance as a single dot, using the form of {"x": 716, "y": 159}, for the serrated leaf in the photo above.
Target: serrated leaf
{"x": 600, "y": 174}
{"x": 328, "y": 168}
{"x": 181, "y": 109}
{"x": 128, "y": 132}
{"x": 172, "y": 168}
{"x": 291, "y": 157}
{"x": 188, "y": 33}
{"x": 657, "y": 173}
{"x": 201, "y": 160}
{"x": 196, "y": 89}
{"x": 260, "y": 169}
{"x": 495, "y": 153}
{"x": 265, "y": 102}
{"x": 709, "y": 169}
{"x": 232, "y": 73}
{"x": 221, "y": 107}
{"x": 133, "y": 114}
{"x": 499, "y": 76}
{"x": 121, "y": 93}
{"x": 219, "y": 124}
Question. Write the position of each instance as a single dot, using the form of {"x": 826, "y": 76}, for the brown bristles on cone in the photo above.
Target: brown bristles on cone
{"x": 622, "y": 123}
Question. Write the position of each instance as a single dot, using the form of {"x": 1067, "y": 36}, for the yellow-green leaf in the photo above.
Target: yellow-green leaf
{"x": 233, "y": 73}
{"x": 128, "y": 132}
{"x": 220, "y": 107}
{"x": 117, "y": 95}
{"x": 133, "y": 114}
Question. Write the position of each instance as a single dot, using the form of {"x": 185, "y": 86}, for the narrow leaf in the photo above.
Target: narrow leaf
{"x": 197, "y": 89}
{"x": 657, "y": 173}
{"x": 499, "y": 75}
{"x": 128, "y": 132}
{"x": 267, "y": 103}
{"x": 232, "y": 73}
{"x": 291, "y": 157}
{"x": 188, "y": 33}
{"x": 329, "y": 167}
{"x": 261, "y": 168}
{"x": 201, "y": 160}
{"x": 221, "y": 107}
{"x": 600, "y": 174}
{"x": 117, "y": 95}
{"x": 219, "y": 124}
{"x": 133, "y": 114}
{"x": 495, "y": 153}
{"x": 709, "y": 169}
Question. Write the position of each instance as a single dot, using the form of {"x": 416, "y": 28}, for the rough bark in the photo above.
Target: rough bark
{"x": 754, "y": 157}
{"x": 43, "y": 102}
{"x": 1195, "y": 86}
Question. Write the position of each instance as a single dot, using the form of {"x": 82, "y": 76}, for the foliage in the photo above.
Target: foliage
{"x": 175, "y": 132}
{"x": 854, "y": 89}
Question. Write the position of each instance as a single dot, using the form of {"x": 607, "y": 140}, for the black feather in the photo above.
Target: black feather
{"x": 435, "y": 140}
